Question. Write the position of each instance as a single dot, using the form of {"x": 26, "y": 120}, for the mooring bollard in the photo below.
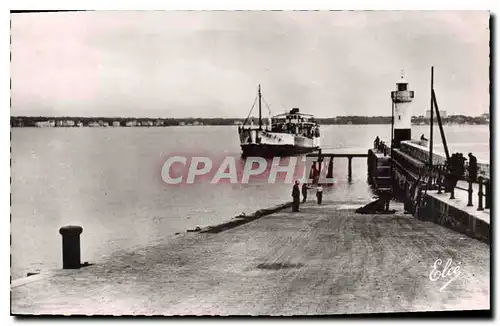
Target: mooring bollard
{"x": 469, "y": 203}
{"x": 480, "y": 194}
{"x": 71, "y": 246}
{"x": 349, "y": 171}
{"x": 439, "y": 179}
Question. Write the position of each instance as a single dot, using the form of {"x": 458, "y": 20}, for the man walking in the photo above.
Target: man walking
{"x": 319, "y": 194}
{"x": 304, "y": 192}
{"x": 296, "y": 197}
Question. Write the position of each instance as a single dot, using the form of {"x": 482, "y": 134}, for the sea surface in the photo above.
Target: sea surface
{"x": 108, "y": 180}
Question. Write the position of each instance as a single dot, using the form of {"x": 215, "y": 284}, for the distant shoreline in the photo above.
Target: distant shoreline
{"x": 47, "y": 122}
{"x": 222, "y": 125}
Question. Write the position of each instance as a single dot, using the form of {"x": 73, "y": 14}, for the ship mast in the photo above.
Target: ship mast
{"x": 260, "y": 110}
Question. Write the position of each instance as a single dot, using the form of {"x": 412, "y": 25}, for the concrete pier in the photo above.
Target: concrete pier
{"x": 323, "y": 260}
{"x": 410, "y": 180}
{"x": 455, "y": 214}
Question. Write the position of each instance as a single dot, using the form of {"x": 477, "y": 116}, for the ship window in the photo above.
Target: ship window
{"x": 399, "y": 117}
{"x": 402, "y": 87}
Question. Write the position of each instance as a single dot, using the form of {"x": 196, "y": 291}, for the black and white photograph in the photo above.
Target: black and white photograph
{"x": 250, "y": 162}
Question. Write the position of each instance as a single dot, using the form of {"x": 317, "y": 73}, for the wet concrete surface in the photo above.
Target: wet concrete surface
{"x": 323, "y": 260}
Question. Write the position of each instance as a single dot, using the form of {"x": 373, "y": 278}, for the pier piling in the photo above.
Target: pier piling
{"x": 328, "y": 165}
{"x": 349, "y": 173}
{"x": 71, "y": 246}
{"x": 330, "y": 168}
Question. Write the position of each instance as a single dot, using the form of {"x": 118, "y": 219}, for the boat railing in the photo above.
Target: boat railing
{"x": 253, "y": 127}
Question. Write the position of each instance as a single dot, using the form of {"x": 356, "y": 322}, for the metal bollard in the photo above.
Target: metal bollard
{"x": 480, "y": 194}
{"x": 71, "y": 246}
{"x": 469, "y": 203}
{"x": 439, "y": 179}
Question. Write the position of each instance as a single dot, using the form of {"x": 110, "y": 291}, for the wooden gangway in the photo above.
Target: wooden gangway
{"x": 320, "y": 155}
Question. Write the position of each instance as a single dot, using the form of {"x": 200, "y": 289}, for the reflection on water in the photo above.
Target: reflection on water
{"x": 109, "y": 181}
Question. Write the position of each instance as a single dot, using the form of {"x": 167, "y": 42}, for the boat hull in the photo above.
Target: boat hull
{"x": 268, "y": 150}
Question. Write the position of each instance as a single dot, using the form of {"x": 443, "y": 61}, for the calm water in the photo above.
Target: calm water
{"x": 108, "y": 181}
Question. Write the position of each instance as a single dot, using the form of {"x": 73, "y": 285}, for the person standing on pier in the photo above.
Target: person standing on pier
{"x": 296, "y": 197}
{"x": 319, "y": 194}
{"x": 376, "y": 143}
{"x": 304, "y": 192}
{"x": 472, "y": 167}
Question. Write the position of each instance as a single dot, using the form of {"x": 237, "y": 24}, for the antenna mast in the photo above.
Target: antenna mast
{"x": 260, "y": 109}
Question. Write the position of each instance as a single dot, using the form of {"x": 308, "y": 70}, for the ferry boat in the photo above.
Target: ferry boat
{"x": 286, "y": 134}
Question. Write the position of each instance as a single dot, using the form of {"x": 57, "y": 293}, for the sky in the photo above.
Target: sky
{"x": 209, "y": 63}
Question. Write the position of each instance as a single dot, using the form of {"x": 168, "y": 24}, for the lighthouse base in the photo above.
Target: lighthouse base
{"x": 401, "y": 135}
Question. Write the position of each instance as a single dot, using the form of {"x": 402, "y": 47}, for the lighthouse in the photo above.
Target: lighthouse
{"x": 401, "y": 100}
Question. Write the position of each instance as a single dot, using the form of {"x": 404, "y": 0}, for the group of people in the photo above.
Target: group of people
{"x": 305, "y": 130}
{"x": 456, "y": 168}
{"x": 379, "y": 144}
{"x": 456, "y": 165}
{"x": 296, "y": 194}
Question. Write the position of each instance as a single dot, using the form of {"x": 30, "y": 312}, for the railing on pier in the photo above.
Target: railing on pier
{"x": 440, "y": 178}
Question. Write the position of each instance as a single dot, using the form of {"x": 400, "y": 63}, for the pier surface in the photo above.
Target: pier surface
{"x": 323, "y": 260}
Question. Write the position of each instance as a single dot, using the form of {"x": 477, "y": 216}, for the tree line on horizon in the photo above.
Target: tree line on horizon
{"x": 30, "y": 121}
